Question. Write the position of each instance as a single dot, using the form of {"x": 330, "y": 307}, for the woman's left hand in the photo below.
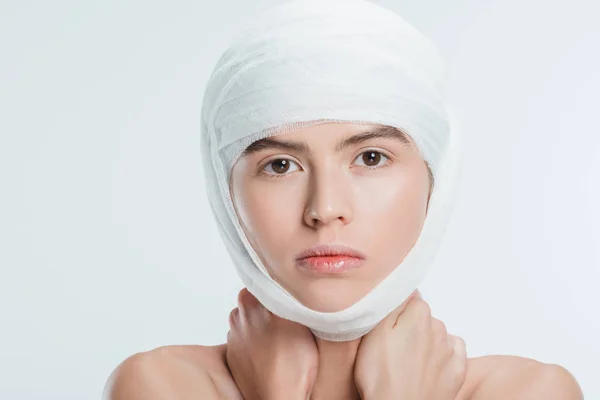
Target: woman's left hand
{"x": 410, "y": 355}
{"x": 269, "y": 357}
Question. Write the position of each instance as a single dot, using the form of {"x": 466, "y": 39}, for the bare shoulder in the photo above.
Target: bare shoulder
{"x": 511, "y": 377}
{"x": 173, "y": 372}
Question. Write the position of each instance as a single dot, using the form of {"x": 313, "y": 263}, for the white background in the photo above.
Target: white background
{"x": 107, "y": 244}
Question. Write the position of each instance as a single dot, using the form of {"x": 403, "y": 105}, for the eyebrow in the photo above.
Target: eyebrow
{"x": 381, "y": 132}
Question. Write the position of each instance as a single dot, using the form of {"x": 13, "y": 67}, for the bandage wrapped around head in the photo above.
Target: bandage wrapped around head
{"x": 309, "y": 62}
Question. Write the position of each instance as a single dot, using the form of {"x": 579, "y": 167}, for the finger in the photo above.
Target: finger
{"x": 252, "y": 311}
{"x": 459, "y": 346}
{"x": 234, "y": 316}
{"x": 439, "y": 332}
{"x": 247, "y": 303}
{"x": 245, "y": 298}
{"x": 459, "y": 361}
{"x": 391, "y": 319}
{"x": 416, "y": 315}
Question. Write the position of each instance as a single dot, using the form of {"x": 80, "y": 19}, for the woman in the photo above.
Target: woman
{"x": 331, "y": 164}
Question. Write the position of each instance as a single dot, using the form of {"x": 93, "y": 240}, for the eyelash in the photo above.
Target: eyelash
{"x": 277, "y": 176}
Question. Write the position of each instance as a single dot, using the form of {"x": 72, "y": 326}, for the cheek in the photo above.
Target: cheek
{"x": 391, "y": 211}
{"x": 270, "y": 215}
{"x": 401, "y": 193}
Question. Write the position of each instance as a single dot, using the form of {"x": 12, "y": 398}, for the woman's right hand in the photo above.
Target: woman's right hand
{"x": 409, "y": 355}
{"x": 269, "y": 357}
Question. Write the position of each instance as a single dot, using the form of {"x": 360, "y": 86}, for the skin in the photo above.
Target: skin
{"x": 375, "y": 204}
{"x": 372, "y": 195}
{"x": 409, "y": 355}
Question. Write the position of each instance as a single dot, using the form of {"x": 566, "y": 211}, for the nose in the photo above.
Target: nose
{"x": 329, "y": 198}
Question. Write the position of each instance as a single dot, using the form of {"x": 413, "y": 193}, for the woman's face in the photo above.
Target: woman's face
{"x": 335, "y": 184}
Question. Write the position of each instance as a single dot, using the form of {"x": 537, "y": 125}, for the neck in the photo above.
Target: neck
{"x": 335, "y": 379}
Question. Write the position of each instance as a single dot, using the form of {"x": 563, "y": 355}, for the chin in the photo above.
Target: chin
{"x": 324, "y": 296}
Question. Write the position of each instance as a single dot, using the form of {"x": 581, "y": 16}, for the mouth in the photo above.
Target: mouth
{"x": 325, "y": 259}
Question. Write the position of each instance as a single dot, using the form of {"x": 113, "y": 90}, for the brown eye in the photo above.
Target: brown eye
{"x": 371, "y": 158}
{"x": 279, "y": 166}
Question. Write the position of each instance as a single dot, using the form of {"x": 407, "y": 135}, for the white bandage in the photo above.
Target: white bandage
{"x": 313, "y": 61}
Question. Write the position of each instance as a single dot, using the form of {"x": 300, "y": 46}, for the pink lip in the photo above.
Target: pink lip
{"x": 330, "y": 259}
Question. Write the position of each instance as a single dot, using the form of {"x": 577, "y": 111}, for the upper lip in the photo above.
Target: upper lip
{"x": 330, "y": 250}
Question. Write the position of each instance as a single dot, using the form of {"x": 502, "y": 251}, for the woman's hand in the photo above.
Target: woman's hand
{"x": 269, "y": 357}
{"x": 409, "y": 355}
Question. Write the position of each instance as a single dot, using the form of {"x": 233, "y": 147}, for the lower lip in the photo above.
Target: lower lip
{"x": 329, "y": 264}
